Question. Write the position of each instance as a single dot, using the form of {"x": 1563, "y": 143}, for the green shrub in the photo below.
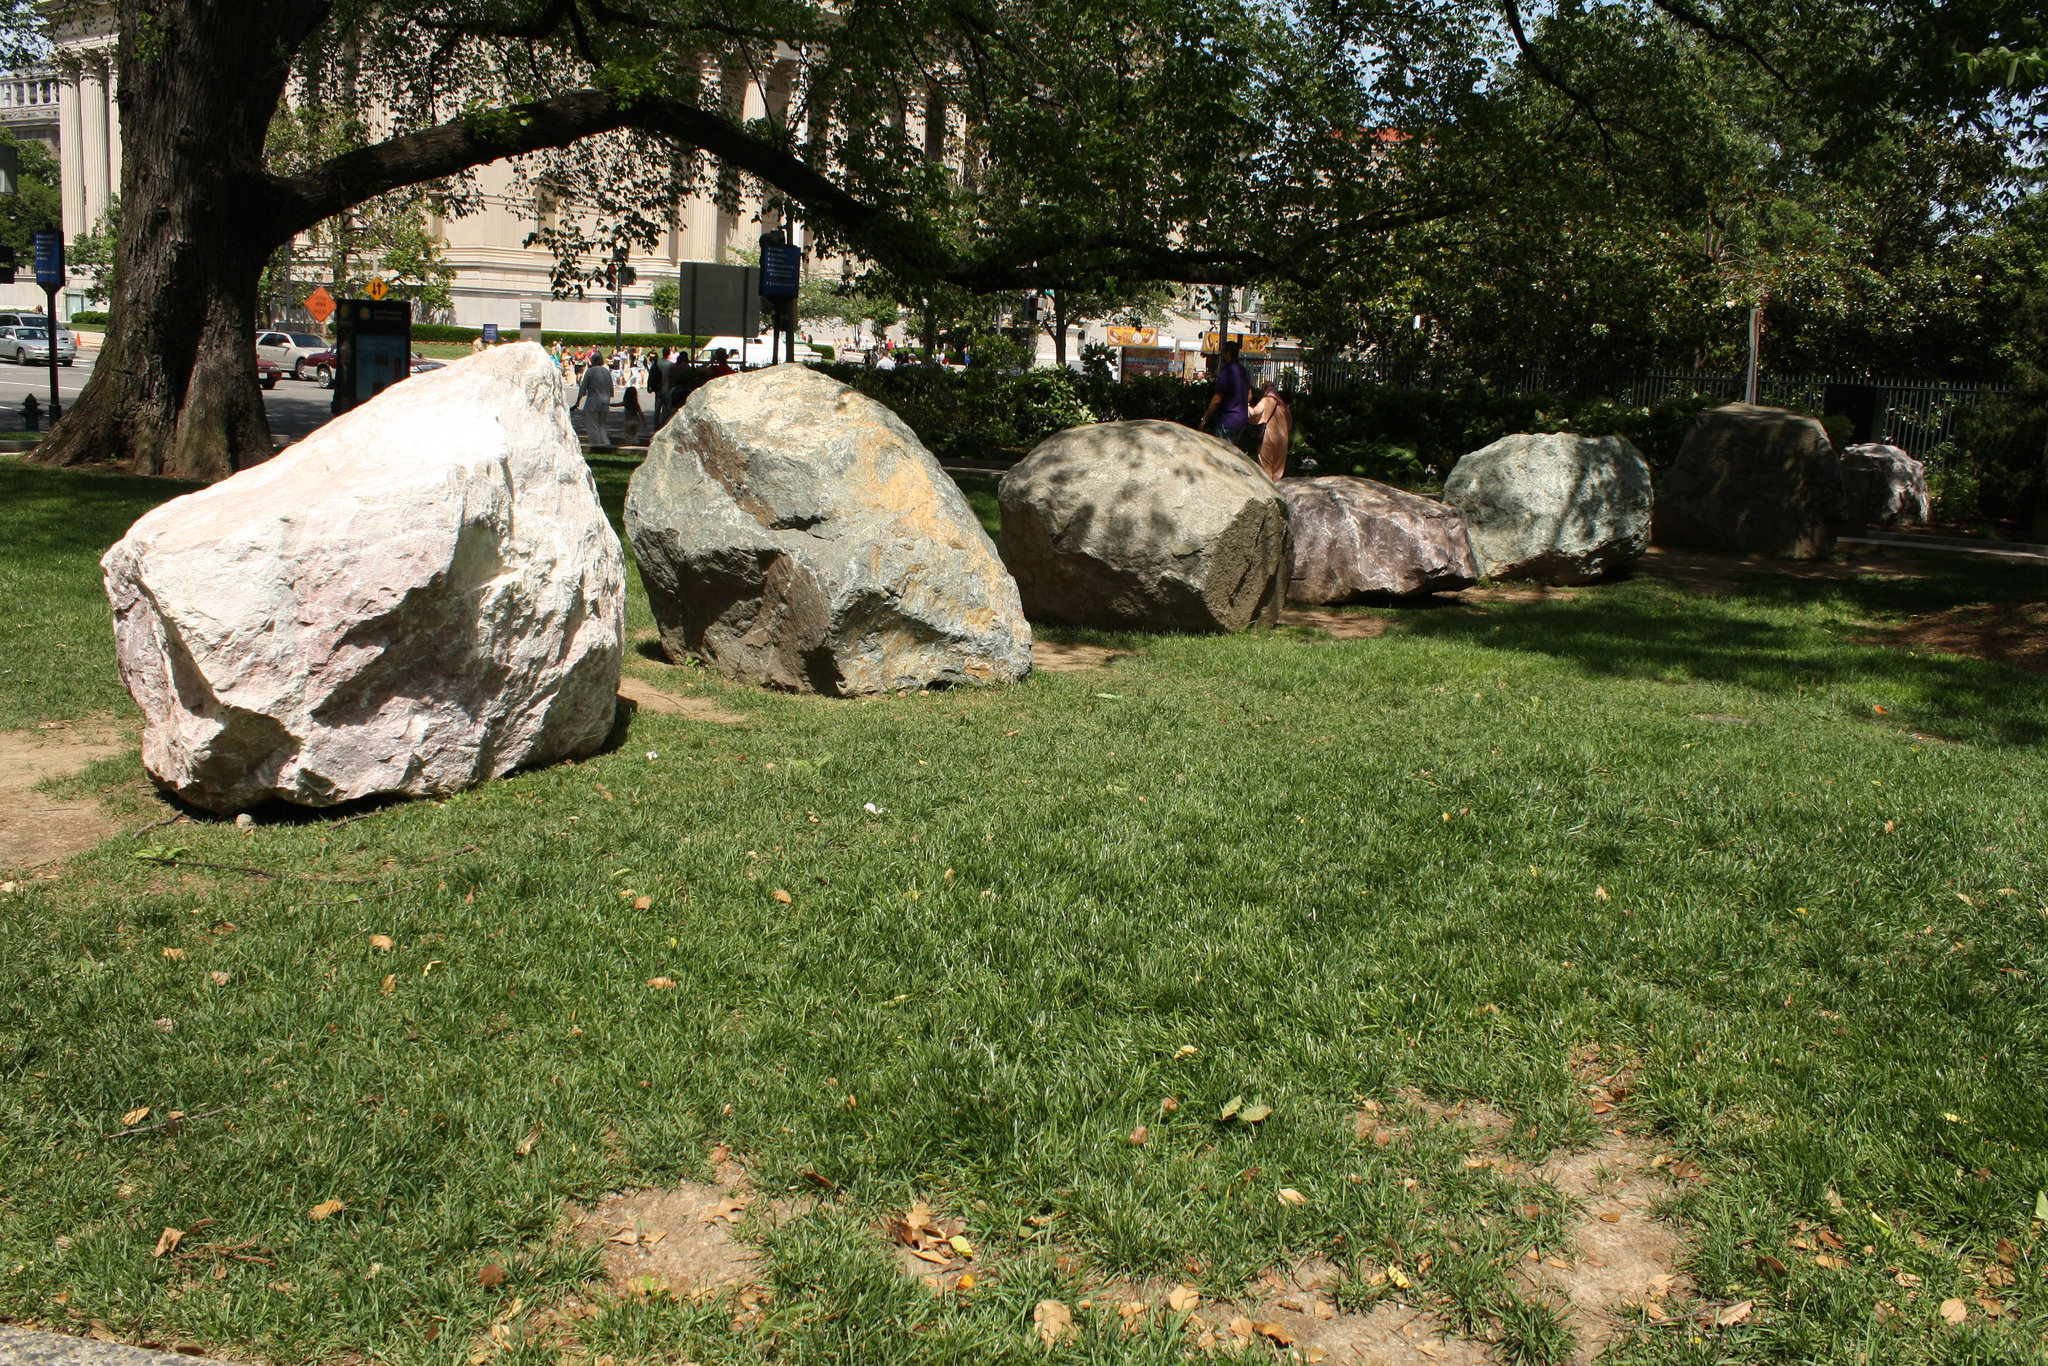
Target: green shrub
{"x": 90, "y": 317}
{"x": 2000, "y": 466}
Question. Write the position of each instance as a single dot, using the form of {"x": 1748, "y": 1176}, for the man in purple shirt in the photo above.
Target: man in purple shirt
{"x": 1229, "y": 406}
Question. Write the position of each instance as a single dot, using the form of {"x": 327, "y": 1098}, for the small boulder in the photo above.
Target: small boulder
{"x": 1883, "y": 486}
{"x": 796, "y": 534}
{"x": 1758, "y": 480}
{"x": 1553, "y": 506}
{"x": 421, "y": 595}
{"x": 1357, "y": 539}
{"x": 1145, "y": 525}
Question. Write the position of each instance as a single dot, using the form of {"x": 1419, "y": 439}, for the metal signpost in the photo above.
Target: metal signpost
{"x": 719, "y": 301}
{"x": 781, "y": 276}
{"x": 372, "y": 351}
{"x": 50, "y": 275}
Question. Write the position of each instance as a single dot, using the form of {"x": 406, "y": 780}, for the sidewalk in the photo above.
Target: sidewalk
{"x": 20, "y": 1347}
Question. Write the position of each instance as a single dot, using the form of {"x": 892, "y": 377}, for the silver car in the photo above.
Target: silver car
{"x": 292, "y": 352}
{"x": 31, "y": 345}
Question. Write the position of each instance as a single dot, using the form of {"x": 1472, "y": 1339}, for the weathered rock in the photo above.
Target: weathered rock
{"x": 1357, "y": 539}
{"x": 794, "y": 533}
{"x": 421, "y": 595}
{"x": 1883, "y": 486}
{"x": 1145, "y": 525}
{"x": 1760, "y": 480}
{"x": 1553, "y": 506}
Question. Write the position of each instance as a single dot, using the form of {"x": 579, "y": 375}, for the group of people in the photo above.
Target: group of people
{"x": 650, "y": 385}
{"x": 1261, "y": 427}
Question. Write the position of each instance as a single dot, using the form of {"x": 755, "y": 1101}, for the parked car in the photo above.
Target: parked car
{"x": 322, "y": 366}
{"x": 420, "y": 364}
{"x": 290, "y": 351}
{"x": 266, "y": 373}
{"x": 27, "y": 345}
{"x": 65, "y": 336}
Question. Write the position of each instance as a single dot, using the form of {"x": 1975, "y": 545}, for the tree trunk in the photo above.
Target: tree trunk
{"x": 174, "y": 390}
{"x": 1059, "y": 330}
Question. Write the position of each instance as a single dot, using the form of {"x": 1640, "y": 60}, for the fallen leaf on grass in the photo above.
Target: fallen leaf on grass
{"x": 1734, "y": 1313}
{"x": 1254, "y": 1114}
{"x": 641, "y": 903}
{"x": 1182, "y": 1299}
{"x": 382, "y": 943}
{"x": 1054, "y": 1320}
{"x": 135, "y": 1116}
{"x": 1766, "y": 1262}
{"x": 661, "y": 983}
{"x": 168, "y": 1241}
{"x": 1991, "y": 1306}
{"x": 1242, "y": 1328}
{"x": 782, "y": 896}
{"x": 1906, "y": 1279}
{"x": 388, "y": 985}
{"x": 1398, "y": 1277}
{"x": 1140, "y": 1137}
{"x": 1290, "y": 1196}
{"x": 526, "y": 1145}
{"x": 174, "y": 954}
{"x": 326, "y": 1208}
{"x": 1955, "y": 1311}
{"x": 219, "y": 979}
{"x": 1830, "y": 1261}
{"x": 728, "y": 1209}
{"x": 491, "y": 1275}
{"x": 1277, "y": 1332}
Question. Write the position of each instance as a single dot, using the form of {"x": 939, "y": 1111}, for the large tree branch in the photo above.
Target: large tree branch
{"x": 1692, "y": 18}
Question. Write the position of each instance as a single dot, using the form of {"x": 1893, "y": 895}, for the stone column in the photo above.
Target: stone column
{"x": 92, "y": 141}
{"x": 113, "y": 131}
{"x": 70, "y": 162}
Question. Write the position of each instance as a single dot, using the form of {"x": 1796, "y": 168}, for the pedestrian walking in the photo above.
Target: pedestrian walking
{"x": 594, "y": 395}
{"x": 631, "y": 405}
{"x": 1229, "y": 402}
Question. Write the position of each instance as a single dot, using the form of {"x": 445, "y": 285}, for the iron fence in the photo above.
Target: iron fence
{"x": 1916, "y": 415}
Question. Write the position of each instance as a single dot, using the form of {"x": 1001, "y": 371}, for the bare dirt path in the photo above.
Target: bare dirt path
{"x": 36, "y": 828}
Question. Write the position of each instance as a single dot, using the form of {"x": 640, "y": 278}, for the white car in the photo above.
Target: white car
{"x": 290, "y": 351}
{"x": 31, "y": 345}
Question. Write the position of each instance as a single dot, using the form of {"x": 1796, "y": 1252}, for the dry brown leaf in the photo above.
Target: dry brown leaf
{"x": 526, "y": 1145}
{"x": 1290, "y": 1196}
{"x": 1323, "y": 1309}
{"x": 661, "y": 983}
{"x": 1132, "y": 1310}
{"x": 1054, "y": 1320}
{"x": 1182, "y": 1299}
{"x": 1242, "y": 1328}
{"x": 1140, "y": 1136}
{"x": 1829, "y": 1237}
{"x": 1955, "y": 1311}
{"x": 174, "y": 954}
{"x": 1610, "y": 1217}
{"x": 1907, "y": 1279}
{"x": 382, "y": 943}
{"x": 218, "y": 978}
{"x": 168, "y": 1241}
{"x": 1734, "y": 1313}
{"x": 1275, "y": 1331}
{"x": 1314, "y": 1352}
{"x": 782, "y": 896}
{"x": 641, "y": 903}
{"x": 932, "y": 1255}
{"x": 1766, "y": 1262}
{"x": 627, "y": 1236}
{"x": 325, "y": 1208}
{"x": 1830, "y": 1261}
{"x": 491, "y": 1275}
{"x": 1993, "y": 1307}
{"x": 135, "y": 1116}
{"x": 728, "y": 1209}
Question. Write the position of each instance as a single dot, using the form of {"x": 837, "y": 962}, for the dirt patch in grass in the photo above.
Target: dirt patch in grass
{"x": 1712, "y": 572}
{"x": 36, "y": 828}
{"x": 1342, "y": 625}
{"x": 2014, "y": 633}
{"x": 1621, "y": 1257}
{"x": 647, "y": 697}
{"x": 1063, "y": 657}
{"x": 681, "y": 1238}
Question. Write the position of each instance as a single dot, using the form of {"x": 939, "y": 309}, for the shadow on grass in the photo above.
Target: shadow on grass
{"x": 74, "y": 512}
{"x": 1765, "y": 634}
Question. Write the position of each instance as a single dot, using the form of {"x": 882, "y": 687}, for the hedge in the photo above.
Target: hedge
{"x": 87, "y": 315}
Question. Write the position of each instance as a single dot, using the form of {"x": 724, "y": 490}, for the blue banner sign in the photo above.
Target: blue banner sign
{"x": 781, "y": 271}
{"x": 50, "y": 258}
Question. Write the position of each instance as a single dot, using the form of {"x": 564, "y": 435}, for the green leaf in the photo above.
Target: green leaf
{"x": 2041, "y": 1204}
{"x": 1231, "y": 1107}
{"x": 1252, "y": 1114}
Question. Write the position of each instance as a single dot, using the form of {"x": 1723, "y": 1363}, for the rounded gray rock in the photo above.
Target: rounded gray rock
{"x": 1759, "y": 480}
{"x": 1145, "y": 525}
{"x": 1357, "y": 539}
{"x": 793, "y": 533}
{"x": 1883, "y": 486}
{"x": 1553, "y": 506}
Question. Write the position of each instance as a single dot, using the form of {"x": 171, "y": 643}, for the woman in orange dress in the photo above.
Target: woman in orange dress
{"x": 1272, "y": 413}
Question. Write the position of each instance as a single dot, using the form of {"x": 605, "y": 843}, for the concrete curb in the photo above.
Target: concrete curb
{"x": 2001, "y": 550}
{"x": 21, "y": 1347}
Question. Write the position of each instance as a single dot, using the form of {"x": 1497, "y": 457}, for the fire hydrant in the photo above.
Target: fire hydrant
{"x": 31, "y": 414}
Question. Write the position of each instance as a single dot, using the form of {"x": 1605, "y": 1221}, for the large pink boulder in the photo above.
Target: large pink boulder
{"x": 1357, "y": 540}
{"x": 421, "y": 595}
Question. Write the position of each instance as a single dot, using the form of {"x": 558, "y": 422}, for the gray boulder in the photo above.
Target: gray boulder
{"x": 1553, "y": 506}
{"x": 1883, "y": 486}
{"x": 1759, "y": 480}
{"x": 796, "y": 534}
{"x": 1356, "y": 539}
{"x": 1145, "y": 525}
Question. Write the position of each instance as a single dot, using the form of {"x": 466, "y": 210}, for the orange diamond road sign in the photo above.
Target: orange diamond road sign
{"x": 320, "y": 304}
{"x": 377, "y": 289}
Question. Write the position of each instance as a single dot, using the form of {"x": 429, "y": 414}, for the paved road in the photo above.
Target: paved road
{"x": 296, "y": 407}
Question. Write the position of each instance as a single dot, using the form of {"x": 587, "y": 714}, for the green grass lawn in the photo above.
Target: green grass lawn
{"x": 1282, "y": 867}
